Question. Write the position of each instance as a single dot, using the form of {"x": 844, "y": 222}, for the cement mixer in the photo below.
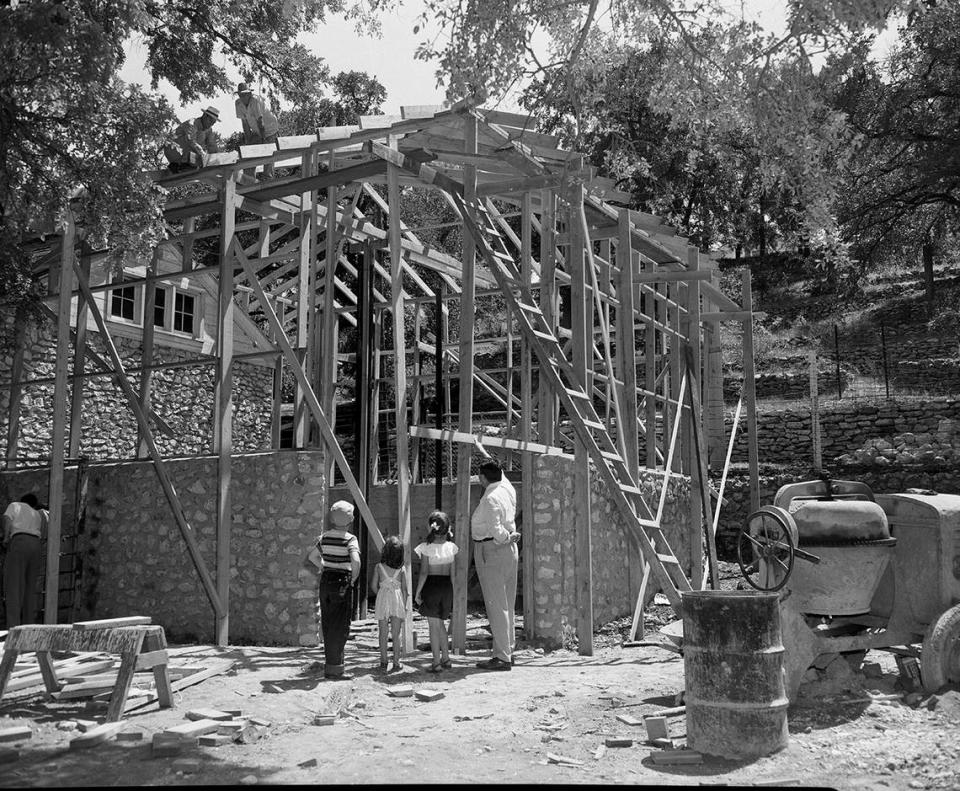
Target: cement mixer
{"x": 857, "y": 572}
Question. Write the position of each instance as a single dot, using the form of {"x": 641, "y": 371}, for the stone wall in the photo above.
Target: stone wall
{"x": 136, "y": 562}
{"x": 182, "y": 397}
{"x": 615, "y": 566}
{"x": 784, "y": 436}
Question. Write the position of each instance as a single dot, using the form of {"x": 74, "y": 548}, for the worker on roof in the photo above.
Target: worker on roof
{"x": 260, "y": 125}
{"x": 192, "y": 141}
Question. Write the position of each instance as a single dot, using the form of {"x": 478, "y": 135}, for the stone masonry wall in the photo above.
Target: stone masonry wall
{"x": 784, "y": 436}
{"x": 136, "y": 562}
{"x": 616, "y": 578}
{"x": 182, "y": 397}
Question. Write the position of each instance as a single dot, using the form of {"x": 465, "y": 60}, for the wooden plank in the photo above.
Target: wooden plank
{"x": 549, "y": 307}
{"x": 86, "y": 689}
{"x": 581, "y": 329}
{"x": 79, "y": 355}
{"x": 404, "y": 509}
{"x": 528, "y": 526}
{"x": 465, "y": 404}
{"x": 214, "y": 668}
{"x": 421, "y": 110}
{"x": 287, "y": 142}
{"x": 110, "y": 623}
{"x": 47, "y": 671}
{"x": 58, "y": 445}
{"x": 320, "y": 181}
{"x": 378, "y": 121}
{"x": 749, "y": 394}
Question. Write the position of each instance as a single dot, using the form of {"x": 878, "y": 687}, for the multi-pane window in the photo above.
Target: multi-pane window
{"x": 123, "y": 303}
{"x": 174, "y": 310}
{"x": 160, "y": 308}
{"x": 184, "y": 310}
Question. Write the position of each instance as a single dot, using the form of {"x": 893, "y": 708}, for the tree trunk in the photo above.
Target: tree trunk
{"x": 928, "y": 274}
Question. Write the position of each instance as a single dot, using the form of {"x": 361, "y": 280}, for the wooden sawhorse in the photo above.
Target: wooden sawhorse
{"x": 140, "y": 648}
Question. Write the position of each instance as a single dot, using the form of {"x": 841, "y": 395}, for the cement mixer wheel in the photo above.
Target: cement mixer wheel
{"x": 940, "y": 656}
{"x": 765, "y": 548}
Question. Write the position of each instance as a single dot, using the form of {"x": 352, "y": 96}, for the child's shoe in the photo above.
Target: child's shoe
{"x": 396, "y": 666}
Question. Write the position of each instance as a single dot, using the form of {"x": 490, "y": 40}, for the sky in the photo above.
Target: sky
{"x": 391, "y": 59}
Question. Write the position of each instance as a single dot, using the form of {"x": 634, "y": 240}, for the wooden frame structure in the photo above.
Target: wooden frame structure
{"x": 608, "y": 333}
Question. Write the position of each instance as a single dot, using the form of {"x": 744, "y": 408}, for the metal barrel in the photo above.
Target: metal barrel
{"x": 733, "y": 662}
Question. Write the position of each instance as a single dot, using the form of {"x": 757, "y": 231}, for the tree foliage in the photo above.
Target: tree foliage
{"x": 355, "y": 93}
{"x": 68, "y": 125}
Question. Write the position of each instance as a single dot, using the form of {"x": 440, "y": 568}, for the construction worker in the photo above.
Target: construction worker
{"x": 260, "y": 125}
{"x": 192, "y": 141}
{"x": 24, "y": 524}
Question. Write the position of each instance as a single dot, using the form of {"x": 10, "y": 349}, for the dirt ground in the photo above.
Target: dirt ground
{"x": 490, "y": 727}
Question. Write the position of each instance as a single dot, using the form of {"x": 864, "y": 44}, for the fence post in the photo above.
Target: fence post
{"x": 883, "y": 345}
{"x": 836, "y": 352}
{"x": 815, "y": 413}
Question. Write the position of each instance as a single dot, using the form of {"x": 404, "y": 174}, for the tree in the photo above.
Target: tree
{"x": 356, "y": 93}
{"x": 69, "y": 126}
{"x": 904, "y": 183}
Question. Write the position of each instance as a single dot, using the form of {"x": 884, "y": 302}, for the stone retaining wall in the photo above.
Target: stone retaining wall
{"x": 136, "y": 562}
{"x": 784, "y": 436}
{"x": 615, "y": 566}
{"x": 182, "y": 397}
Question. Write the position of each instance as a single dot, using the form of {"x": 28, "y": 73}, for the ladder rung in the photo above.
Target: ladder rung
{"x": 527, "y": 308}
{"x": 577, "y": 394}
{"x": 610, "y": 456}
{"x": 628, "y": 489}
{"x": 668, "y": 559}
{"x": 547, "y": 336}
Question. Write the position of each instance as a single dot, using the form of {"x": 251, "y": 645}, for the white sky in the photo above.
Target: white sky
{"x": 391, "y": 59}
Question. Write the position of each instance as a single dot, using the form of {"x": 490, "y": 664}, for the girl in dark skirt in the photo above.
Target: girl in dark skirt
{"x": 434, "y": 594}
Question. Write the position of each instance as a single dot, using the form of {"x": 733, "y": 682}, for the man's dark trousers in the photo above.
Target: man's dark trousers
{"x": 334, "y": 619}
{"x": 21, "y": 569}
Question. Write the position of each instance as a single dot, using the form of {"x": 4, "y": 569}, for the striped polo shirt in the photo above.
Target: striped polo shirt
{"x": 336, "y": 547}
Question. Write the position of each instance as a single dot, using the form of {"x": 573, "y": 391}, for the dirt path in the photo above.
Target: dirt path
{"x": 491, "y": 727}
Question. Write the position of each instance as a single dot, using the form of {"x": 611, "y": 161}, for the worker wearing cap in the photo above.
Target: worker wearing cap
{"x": 337, "y": 555}
{"x": 259, "y": 124}
{"x": 192, "y": 141}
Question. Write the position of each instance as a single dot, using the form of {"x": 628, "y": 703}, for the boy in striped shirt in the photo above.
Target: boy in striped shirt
{"x": 337, "y": 555}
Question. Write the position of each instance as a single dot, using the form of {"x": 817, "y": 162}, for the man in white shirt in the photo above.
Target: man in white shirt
{"x": 24, "y": 523}
{"x": 494, "y": 532}
{"x": 260, "y": 125}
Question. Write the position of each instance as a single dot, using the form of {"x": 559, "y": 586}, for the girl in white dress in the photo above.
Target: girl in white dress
{"x": 391, "y": 589}
{"x": 435, "y": 588}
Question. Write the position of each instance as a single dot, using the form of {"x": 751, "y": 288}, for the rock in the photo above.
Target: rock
{"x": 249, "y": 780}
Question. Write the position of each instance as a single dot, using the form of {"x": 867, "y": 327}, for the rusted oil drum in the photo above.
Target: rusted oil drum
{"x": 733, "y": 661}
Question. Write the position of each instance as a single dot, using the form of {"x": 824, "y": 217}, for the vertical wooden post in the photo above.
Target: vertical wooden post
{"x": 547, "y": 407}
{"x": 694, "y": 424}
{"x": 417, "y": 396}
{"x": 627, "y": 356}
{"x": 55, "y": 497}
{"x": 400, "y": 390}
{"x": 188, "y": 227}
{"x": 676, "y": 362}
{"x": 528, "y": 529}
{"x": 304, "y": 287}
{"x": 328, "y": 362}
{"x": 438, "y": 390}
{"x": 750, "y": 392}
{"x": 363, "y": 402}
{"x": 224, "y": 423}
{"x": 464, "y": 451}
{"x": 146, "y": 356}
{"x": 79, "y": 355}
{"x": 815, "y": 413}
{"x": 650, "y": 370}
{"x": 16, "y": 390}
{"x": 582, "y": 343}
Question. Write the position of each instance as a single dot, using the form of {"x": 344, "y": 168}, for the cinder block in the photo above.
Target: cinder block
{"x": 657, "y": 728}
{"x": 215, "y": 739}
{"x": 130, "y": 736}
{"x": 18, "y": 733}
{"x": 429, "y": 695}
{"x": 628, "y": 719}
{"x": 675, "y": 757}
{"x": 325, "y": 719}
{"x": 310, "y": 762}
{"x": 615, "y": 741}
{"x": 208, "y": 714}
{"x": 400, "y": 692}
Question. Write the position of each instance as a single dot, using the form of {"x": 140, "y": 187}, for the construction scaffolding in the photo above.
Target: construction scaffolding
{"x": 608, "y": 352}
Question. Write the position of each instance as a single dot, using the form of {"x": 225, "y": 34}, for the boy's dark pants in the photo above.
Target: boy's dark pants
{"x": 334, "y": 620}
{"x": 21, "y": 569}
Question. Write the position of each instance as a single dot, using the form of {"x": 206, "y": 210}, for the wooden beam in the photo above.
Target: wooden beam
{"x": 79, "y": 355}
{"x": 547, "y": 400}
{"x": 224, "y": 422}
{"x": 146, "y": 357}
{"x": 485, "y": 441}
{"x": 528, "y": 528}
{"x": 319, "y": 181}
{"x": 58, "y": 447}
{"x": 465, "y": 406}
{"x": 582, "y": 329}
{"x": 404, "y": 508}
{"x": 750, "y": 392}
{"x": 695, "y": 461}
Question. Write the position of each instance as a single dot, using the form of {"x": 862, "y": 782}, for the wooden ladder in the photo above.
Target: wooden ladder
{"x": 643, "y": 527}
